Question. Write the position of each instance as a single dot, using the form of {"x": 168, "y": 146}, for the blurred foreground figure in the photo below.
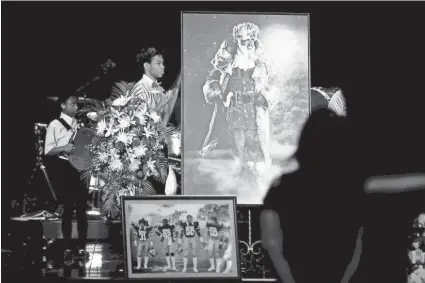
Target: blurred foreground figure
{"x": 311, "y": 221}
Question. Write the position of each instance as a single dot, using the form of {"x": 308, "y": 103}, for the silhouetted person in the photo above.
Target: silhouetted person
{"x": 311, "y": 221}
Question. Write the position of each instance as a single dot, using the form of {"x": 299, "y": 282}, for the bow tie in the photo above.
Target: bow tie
{"x": 156, "y": 85}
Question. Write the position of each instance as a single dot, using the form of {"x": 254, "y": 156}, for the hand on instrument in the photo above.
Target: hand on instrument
{"x": 68, "y": 148}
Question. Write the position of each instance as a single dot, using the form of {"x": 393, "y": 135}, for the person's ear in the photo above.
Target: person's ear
{"x": 63, "y": 106}
{"x": 146, "y": 65}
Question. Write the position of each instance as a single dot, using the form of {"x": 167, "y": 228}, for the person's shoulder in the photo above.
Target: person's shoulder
{"x": 283, "y": 187}
{"x": 54, "y": 123}
{"x": 286, "y": 180}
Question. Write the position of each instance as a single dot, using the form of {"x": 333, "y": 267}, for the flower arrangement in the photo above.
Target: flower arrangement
{"x": 127, "y": 148}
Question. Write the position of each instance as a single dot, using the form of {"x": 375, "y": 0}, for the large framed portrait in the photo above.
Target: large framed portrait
{"x": 180, "y": 237}
{"x": 416, "y": 251}
{"x": 246, "y": 96}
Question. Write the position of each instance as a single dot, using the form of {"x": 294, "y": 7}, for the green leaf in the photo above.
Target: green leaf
{"x": 147, "y": 189}
{"x": 85, "y": 174}
{"x": 110, "y": 206}
{"x": 120, "y": 88}
{"x": 162, "y": 166}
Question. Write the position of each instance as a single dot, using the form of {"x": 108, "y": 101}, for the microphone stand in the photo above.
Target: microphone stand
{"x": 40, "y": 166}
{"x": 109, "y": 64}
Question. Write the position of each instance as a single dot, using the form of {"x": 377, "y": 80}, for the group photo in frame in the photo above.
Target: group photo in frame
{"x": 246, "y": 96}
{"x": 176, "y": 237}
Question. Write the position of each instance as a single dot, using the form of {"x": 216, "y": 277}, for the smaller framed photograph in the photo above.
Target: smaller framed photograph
{"x": 180, "y": 237}
{"x": 416, "y": 251}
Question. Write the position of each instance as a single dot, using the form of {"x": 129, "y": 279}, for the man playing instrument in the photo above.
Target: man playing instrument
{"x": 66, "y": 180}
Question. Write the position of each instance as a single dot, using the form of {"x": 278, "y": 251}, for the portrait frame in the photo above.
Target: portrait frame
{"x": 154, "y": 209}
{"x": 187, "y": 187}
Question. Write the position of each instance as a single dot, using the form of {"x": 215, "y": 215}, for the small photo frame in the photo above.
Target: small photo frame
{"x": 180, "y": 237}
{"x": 416, "y": 251}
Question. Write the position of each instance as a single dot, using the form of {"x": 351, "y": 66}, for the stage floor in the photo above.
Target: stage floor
{"x": 104, "y": 263}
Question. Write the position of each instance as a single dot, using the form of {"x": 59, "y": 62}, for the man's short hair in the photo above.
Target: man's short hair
{"x": 64, "y": 97}
{"x": 146, "y": 55}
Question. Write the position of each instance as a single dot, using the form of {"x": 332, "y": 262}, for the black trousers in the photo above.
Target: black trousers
{"x": 72, "y": 193}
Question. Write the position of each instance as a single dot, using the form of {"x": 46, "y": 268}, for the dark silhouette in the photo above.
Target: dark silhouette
{"x": 318, "y": 207}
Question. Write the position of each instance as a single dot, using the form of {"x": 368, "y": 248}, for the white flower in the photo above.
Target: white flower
{"x": 121, "y": 101}
{"x": 124, "y": 122}
{"x": 142, "y": 108}
{"x": 103, "y": 157}
{"x": 131, "y": 190}
{"x": 113, "y": 152}
{"x": 101, "y": 127}
{"x": 154, "y": 116}
{"x": 151, "y": 165}
{"x": 134, "y": 165}
{"x": 140, "y": 150}
{"x": 141, "y": 116}
{"x": 148, "y": 131}
{"x": 125, "y": 138}
{"x": 116, "y": 165}
{"x": 109, "y": 130}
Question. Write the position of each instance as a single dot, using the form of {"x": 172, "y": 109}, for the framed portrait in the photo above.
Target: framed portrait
{"x": 246, "y": 96}
{"x": 180, "y": 237}
{"x": 416, "y": 251}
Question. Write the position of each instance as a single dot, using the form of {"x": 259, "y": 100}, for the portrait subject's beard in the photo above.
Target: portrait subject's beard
{"x": 251, "y": 52}
{"x": 245, "y": 58}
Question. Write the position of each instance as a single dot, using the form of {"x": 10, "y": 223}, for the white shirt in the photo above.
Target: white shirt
{"x": 58, "y": 135}
{"x": 151, "y": 98}
{"x": 146, "y": 82}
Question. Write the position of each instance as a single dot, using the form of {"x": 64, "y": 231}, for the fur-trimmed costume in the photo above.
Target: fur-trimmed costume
{"x": 240, "y": 82}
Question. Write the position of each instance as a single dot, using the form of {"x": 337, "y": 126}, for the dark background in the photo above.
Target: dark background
{"x": 374, "y": 51}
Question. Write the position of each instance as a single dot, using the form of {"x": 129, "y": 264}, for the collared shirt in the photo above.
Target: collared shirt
{"x": 58, "y": 135}
{"x": 147, "y": 81}
{"x": 149, "y": 84}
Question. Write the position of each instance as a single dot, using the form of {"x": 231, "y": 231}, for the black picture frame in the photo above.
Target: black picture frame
{"x": 147, "y": 203}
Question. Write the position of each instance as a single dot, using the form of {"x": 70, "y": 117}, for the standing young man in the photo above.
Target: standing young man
{"x": 71, "y": 191}
{"x": 151, "y": 61}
